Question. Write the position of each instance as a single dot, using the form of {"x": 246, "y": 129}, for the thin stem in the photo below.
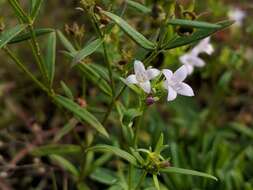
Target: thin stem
{"x": 37, "y": 53}
{"x": 141, "y": 180}
{"x": 112, "y": 104}
{"x": 18, "y": 10}
{"x": 101, "y": 35}
{"x": 24, "y": 69}
{"x": 137, "y": 130}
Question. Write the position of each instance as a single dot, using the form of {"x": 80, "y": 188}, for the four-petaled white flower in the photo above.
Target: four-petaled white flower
{"x": 175, "y": 85}
{"x": 142, "y": 76}
{"x": 192, "y": 59}
{"x": 237, "y": 15}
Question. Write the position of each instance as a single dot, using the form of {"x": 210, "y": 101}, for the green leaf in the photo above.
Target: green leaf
{"x": 139, "y": 6}
{"x": 65, "y": 42}
{"x": 50, "y": 57}
{"x": 67, "y": 90}
{"x": 27, "y": 35}
{"x": 64, "y": 163}
{"x": 8, "y": 35}
{"x": 196, "y": 36}
{"x": 156, "y": 182}
{"x": 115, "y": 150}
{"x": 92, "y": 74}
{"x": 159, "y": 145}
{"x": 104, "y": 176}
{"x": 242, "y": 129}
{"x": 130, "y": 115}
{"x": 36, "y": 5}
{"x": 66, "y": 129}
{"x": 81, "y": 113}
{"x": 86, "y": 51}
{"x": 132, "y": 33}
{"x": 187, "y": 172}
{"x": 194, "y": 24}
{"x": 56, "y": 149}
{"x": 20, "y": 13}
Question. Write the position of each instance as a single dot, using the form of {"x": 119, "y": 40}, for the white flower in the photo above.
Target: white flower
{"x": 203, "y": 46}
{"x": 142, "y": 76}
{"x": 192, "y": 59}
{"x": 237, "y": 15}
{"x": 175, "y": 85}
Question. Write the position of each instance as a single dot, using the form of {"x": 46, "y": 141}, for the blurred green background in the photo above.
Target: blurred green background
{"x": 211, "y": 132}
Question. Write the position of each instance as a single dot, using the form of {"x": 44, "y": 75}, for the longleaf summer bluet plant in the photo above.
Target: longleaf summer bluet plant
{"x": 175, "y": 28}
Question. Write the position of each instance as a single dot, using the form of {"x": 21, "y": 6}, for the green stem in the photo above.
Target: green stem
{"x": 34, "y": 44}
{"x": 109, "y": 110}
{"x": 130, "y": 176}
{"x": 18, "y": 10}
{"x": 141, "y": 180}
{"x": 37, "y": 54}
{"x": 137, "y": 130}
{"x": 25, "y": 70}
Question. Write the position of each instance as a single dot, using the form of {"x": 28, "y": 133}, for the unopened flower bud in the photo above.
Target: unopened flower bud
{"x": 165, "y": 164}
{"x": 150, "y": 100}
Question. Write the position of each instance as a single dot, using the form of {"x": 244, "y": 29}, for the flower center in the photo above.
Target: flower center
{"x": 141, "y": 77}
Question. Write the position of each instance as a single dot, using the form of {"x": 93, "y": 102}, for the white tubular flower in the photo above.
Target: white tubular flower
{"x": 175, "y": 85}
{"x": 203, "y": 46}
{"x": 142, "y": 76}
{"x": 191, "y": 59}
{"x": 237, "y": 15}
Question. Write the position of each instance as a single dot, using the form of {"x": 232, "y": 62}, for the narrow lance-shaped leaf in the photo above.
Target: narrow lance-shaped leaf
{"x": 65, "y": 42}
{"x": 8, "y": 35}
{"x": 139, "y": 6}
{"x": 27, "y": 35}
{"x": 90, "y": 71}
{"x": 194, "y": 24}
{"x": 50, "y": 57}
{"x": 57, "y": 149}
{"x": 20, "y": 13}
{"x": 81, "y": 113}
{"x": 64, "y": 163}
{"x": 67, "y": 90}
{"x": 135, "y": 35}
{"x": 36, "y": 5}
{"x": 92, "y": 74}
{"x": 86, "y": 51}
{"x": 159, "y": 145}
{"x": 196, "y": 36}
{"x": 115, "y": 150}
{"x": 187, "y": 172}
{"x": 104, "y": 176}
{"x": 66, "y": 129}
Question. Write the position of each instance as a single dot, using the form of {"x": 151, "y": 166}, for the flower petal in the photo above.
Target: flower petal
{"x": 203, "y": 46}
{"x": 172, "y": 94}
{"x": 146, "y": 86}
{"x": 152, "y": 73}
{"x": 209, "y": 49}
{"x": 189, "y": 68}
{"x": 184, "y": 89}
{"x": 139, "y": 67}
{"x": 180, "y": 74}
{"x": 198, "y": 62}
{"x": 189, "y": 59}
{"x": 131, "y": 79}
{"x": 167, "y": 73}
{"x": 186, "y": 58}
